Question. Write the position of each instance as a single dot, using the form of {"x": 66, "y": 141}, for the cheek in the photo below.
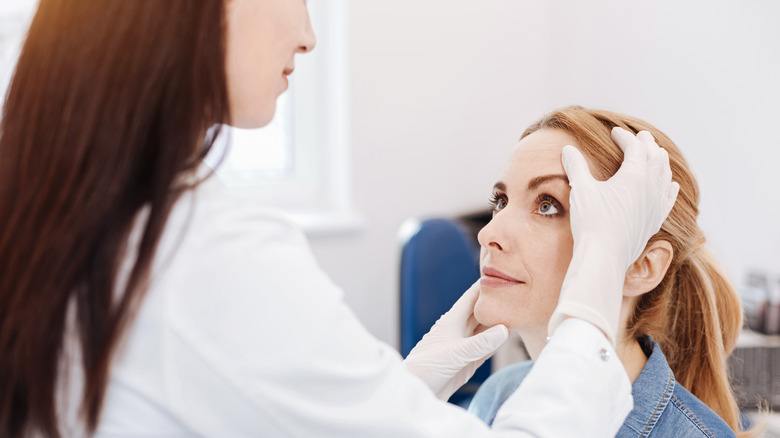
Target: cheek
{"x": 548, "y": 262}
{"x": 500, "y": 307}
{"x": 544, "y": 250}
{"x": 254, "y": 71}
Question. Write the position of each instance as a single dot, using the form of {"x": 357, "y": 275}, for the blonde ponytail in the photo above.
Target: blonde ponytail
{"x": 703, "y": 320}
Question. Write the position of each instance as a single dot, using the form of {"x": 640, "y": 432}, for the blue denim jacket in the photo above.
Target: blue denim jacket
{"x": 662, "y": 407}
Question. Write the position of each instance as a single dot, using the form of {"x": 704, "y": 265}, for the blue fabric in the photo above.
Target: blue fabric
{"x": 662, "y": 407}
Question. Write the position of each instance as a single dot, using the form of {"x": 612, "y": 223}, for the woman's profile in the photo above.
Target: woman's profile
{"x": 680, "y": 316}
{"x": 141, "y": 297}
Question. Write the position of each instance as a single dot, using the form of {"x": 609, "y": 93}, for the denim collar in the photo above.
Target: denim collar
{"x": 652, "y": 390}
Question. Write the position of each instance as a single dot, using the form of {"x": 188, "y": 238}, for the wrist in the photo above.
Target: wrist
{"x": 593, "y": 258}
{"x": 592, "y": 289}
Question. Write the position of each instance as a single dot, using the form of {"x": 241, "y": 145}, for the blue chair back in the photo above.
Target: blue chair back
{"x": 439, "y": 261}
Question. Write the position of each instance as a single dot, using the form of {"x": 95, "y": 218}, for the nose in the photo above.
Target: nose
{"x": 490, "y": 236}
{"x": 309, "y": 40}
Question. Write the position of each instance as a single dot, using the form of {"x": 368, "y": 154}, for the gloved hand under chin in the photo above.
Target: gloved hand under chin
{"x": 611, "y": 223}
{"x": 449, "y": 354}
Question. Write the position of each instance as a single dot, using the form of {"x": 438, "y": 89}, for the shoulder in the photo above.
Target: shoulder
{"x": 687, "y": 409}
{"x": 686, "y": 415}
{"x": 663, "y": 407}
{"x": 211, "y": 225}
{"x": 213, "y": 209}
{"x": 492, "y": 394}
{"x": 232, "y": 270}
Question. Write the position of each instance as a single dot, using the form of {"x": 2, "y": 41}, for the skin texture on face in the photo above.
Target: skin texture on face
{"x": 263, "y": 37}
{"x": 528, "y": 239}
{"x": 527, "y": 247}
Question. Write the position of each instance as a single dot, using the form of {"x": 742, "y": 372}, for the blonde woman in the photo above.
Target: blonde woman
{"x": 679, "y": 317}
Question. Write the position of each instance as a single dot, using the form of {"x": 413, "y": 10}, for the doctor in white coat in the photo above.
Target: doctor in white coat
{"x": 137, "y": 300}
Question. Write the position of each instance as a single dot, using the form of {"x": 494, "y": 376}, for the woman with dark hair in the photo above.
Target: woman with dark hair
{"x": 139, "y": 298}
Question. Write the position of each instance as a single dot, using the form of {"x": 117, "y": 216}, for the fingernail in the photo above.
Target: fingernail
{"x": 646, "y": 134}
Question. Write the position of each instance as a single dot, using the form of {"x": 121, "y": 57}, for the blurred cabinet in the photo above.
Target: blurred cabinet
{"x": 754, "y": 368}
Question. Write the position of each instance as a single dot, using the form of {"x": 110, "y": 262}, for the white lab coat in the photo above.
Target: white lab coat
{"x": 241, "y": 334}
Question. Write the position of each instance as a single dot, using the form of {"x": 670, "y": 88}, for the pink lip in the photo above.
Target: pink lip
{"x": 288, "y": 71}
{"x": 494, "y": 277}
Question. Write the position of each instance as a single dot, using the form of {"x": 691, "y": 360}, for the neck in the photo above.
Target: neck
{"x": 628, "y": 350}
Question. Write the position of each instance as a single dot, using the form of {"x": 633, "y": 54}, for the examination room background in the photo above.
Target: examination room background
{"x": 438, "y": 92}
{"x": 442, "y": 89}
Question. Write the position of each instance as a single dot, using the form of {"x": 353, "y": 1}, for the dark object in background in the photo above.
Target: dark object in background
{"x": 761, "y": 304}
{"x": 755, "y": 295}
{"x": 754, "y": 369}
{"x": 754, "y": 366}
{"x": 439, "y": 261}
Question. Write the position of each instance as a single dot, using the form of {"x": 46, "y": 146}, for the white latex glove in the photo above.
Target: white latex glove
{"x": 449, "y": 354}
{"x": 611, "y": 222}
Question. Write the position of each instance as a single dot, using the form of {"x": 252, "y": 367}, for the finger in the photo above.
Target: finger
{"x": 660, "y": 168}
{"x": 459, "y": 379}
{"x": 651, "y": 146}
{"x": 633, "y": 149}
{"x": 669, "y": 202}
{"x": 575, "y": 166}
{"x": 667, "y": 168}
{"x": 671, "y": 197}
{"x": 464, "y": 307}
{"x": 479, "y": 328}
{"x": 473, "y": 326}
{"x": 645, "y": 136}
{"x": 479, "y": 347}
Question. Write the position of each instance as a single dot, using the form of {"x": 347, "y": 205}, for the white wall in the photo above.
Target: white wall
{"x": 442, "y": 89}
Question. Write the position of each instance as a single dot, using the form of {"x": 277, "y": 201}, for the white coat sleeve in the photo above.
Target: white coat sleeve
{"x": 259, "y": 342}
{"x": 577, "y": 387}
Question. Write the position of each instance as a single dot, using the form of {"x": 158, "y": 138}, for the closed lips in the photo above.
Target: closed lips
{"x": 493, "y": 272}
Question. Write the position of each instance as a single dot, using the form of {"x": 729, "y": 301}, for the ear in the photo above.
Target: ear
{"x": 649, "y": 269}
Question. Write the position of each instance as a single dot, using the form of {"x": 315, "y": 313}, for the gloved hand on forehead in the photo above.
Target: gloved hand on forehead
{"x": 611, "y": 222}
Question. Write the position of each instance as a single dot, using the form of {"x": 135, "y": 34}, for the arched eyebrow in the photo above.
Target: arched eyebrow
{"x": 539, "y": 180}
{"x": 535, "y": 182}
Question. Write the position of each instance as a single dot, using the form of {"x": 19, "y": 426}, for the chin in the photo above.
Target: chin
{"x": 253, "y": 119}
{"x": 490, "y": 314}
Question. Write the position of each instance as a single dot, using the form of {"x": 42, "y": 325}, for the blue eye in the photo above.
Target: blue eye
{"x": 497, "y": 203}
{"x": 548, "y": 206}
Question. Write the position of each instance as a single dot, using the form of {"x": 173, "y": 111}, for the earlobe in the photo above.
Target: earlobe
{"x": 649, "y": 269}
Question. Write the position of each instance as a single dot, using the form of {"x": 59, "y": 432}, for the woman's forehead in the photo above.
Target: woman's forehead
{"x": 537, "y": 154}
{"x": 545, "y": 140}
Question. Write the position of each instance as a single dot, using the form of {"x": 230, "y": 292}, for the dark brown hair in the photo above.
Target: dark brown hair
{"x": 694, "y": 314}
{"x": 108, "y": 107}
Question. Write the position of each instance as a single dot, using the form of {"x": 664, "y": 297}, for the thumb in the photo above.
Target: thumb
{"x": 486, "y": 343}
{"x": 464, "y": 307}
{"x": 575, "y": 165}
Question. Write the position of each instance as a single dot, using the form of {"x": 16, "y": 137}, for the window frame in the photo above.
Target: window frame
{"x": 318, "y": 194}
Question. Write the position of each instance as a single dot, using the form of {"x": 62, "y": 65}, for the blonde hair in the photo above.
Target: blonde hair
{"x": 694, "y": 314}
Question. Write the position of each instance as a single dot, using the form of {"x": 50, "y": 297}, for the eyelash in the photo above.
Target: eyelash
{"x": 542, "y": 198}
{"x": 494, "y": 199}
